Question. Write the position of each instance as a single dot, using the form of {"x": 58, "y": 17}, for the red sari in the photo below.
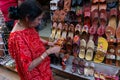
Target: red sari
{"x": 24, "y": 47}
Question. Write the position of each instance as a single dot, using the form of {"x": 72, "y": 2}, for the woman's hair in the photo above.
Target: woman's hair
{"x": 29, "y": 8}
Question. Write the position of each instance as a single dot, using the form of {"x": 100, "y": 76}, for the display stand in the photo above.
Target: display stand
{"x": 5, "y": 59}
{"x": 85, "y": 18}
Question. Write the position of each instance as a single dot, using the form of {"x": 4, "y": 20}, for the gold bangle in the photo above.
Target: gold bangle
{"x": 41, "y": 57}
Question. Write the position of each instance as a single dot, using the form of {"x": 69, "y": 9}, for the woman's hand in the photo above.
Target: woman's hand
{"x": 55, "y": 49}
{"x": 51, "y": 43}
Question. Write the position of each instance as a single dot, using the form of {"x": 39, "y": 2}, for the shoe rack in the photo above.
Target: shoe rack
{"x": 5, "y": 59}
{"x": 92, "y": 27}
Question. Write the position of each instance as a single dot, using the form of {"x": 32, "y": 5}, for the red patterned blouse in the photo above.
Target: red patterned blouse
{"x": 24, "y": 47}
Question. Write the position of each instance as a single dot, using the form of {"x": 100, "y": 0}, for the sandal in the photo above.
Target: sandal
{"x": 82, "y": 49}
{"x": 81, "y": 66}
{"x": 103, "y": 20}
{"x": 76, "y": 40}
{"x": 55, "y": 16}
{"x": 74, "y": 65}
{"x": 71, "y": 31}
{"x": 64, "y": 31}
{"x": 90, "y": 50}
{"x": 64, "y": 61}
{"x": 87, "y": 15}
{"x": 110, "y": 56}
{"x": 59, "y": 31}
{"x": 101, "y": 50}
{"x": 54, "y": 29}
{"x": 79, "y": 13}
{"x": 76, "y": 45}
{"x": 93, "y": 28}
{"x": 68, "y": 45}
{"x": 110, "y": 29}
{"x": 62, "y": 15}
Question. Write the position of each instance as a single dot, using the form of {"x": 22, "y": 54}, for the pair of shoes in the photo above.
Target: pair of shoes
{"x": 58, "y": 16}
{"x": 86, "y": 50}
{"x": 56, "y": 31}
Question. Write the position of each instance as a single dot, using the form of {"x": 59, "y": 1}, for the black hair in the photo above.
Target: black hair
{"x": 29, "y": 8}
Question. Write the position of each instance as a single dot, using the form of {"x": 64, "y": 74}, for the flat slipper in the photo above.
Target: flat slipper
{"x": 74, "y": 65}
{"x": 111, "y": 27}
{"x": 87, "y": 14}
{"x": 82, "y": 48}
{"x": 103, "y": 22}
{"x": 64, "y": 61}
{"x": 81, "y": 66}
{"x": 64, "y": 31}
{"x": 78, "y": 29}
{"x": 90, "y": 50}
{"x": 101, "y": 50}
{"x": 76, "y": 45}
{"x": 93, "y": 29}
{"x": 71, "y": 31}
{"x": 59, "y": 31}
{"x": 54, "y": 29}
{"x": 110, "y": 56}
{"x": 55, "y": 16}
{"x": 62, "y": 15}
{"x": 69, "y": 45}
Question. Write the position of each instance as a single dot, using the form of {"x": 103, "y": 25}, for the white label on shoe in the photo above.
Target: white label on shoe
{"x": 112, "y": 50}
{"x": 110, "y": 56}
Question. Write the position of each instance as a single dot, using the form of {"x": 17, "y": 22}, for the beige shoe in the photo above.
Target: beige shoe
{"x": 90, "y": 50}
{"x": 82, "y": 48}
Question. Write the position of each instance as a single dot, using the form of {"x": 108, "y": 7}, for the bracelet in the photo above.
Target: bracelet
{"x": 41, "y": 57}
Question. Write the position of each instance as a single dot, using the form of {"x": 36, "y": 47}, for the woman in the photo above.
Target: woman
{"x": 26, "y": 47}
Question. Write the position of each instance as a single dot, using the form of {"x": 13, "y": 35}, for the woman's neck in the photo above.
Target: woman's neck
{"x": 19, "y": 26}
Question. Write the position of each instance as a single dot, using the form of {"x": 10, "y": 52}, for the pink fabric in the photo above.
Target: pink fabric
{"x": 4, "y": 6}
{"x": 24, "y": 47}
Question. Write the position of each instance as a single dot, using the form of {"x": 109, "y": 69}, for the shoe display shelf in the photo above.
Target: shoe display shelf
{"x": 5, "y": 59}
{"x": 98, "y": 67}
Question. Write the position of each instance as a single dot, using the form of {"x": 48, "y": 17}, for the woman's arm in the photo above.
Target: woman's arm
{"x": 47, "y": 42}
{"x": 37, "y": 61}
{"x": 44, "y": 41}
